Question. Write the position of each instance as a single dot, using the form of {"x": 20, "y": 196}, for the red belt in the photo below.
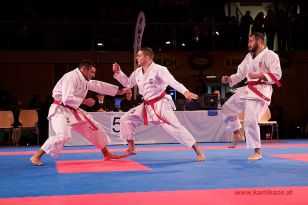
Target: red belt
{"x": 151, "y": 103}
{"x": 88, "y": 122}
{"x": 271, "y": 75}
{"x": 257, "y": 92}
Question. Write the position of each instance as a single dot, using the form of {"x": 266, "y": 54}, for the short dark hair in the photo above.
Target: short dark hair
{"x": 258, "y": 35}
{"x": 87, "y": 64}
{"x": 147, "y": 51}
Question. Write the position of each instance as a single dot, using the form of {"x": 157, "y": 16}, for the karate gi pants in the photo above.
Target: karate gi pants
{"x": 62, "y": 133}
{"x": 134, "y": 118}
{"x": 253, "y": 111}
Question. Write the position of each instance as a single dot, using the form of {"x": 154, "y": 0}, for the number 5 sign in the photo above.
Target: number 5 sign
{"x": 115, "y": 124}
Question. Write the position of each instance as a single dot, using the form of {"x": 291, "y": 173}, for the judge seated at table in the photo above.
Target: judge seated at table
{"x": 129, "y": 102}
{"x": 103, "y": 104}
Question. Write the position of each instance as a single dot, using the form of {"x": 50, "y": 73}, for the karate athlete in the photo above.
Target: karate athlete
{"x": 152, "y": 80}
{"x": 261, "y": 67}
{"x": 65, "y": 114}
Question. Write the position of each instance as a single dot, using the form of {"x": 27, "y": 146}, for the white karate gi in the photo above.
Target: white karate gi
{"x": 151, "y": 84}
{"x": 246, "y": 101}
{"x": 71, "y": 90}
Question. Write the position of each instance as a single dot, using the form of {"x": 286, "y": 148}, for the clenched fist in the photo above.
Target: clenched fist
{"x": 88, "y": 102}
{"x": 116, "y": 68}
{"x": 255, "y": 75}
{"x": 226, "y": 79}
{"x": 123, "y": 91}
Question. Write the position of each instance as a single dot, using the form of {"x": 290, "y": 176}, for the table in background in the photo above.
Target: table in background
{"x": 203, "y": 127}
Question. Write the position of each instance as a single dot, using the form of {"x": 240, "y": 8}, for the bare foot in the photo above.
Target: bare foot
{"x": 237, "y": 138}
{"x": 255, "y": 156}
{"x": 128, "y": 153}
{"x": 201, "y": 157}
{"x": 111, "y": 156}
{"x": 125, "y": 154}
{"x": 36, "y": 161}
{"x": 232, "y": 145}
{"x": 132, "y": 151}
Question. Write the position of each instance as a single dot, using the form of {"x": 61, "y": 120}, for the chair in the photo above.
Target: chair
{"x": 241, "y": 119}
{"x": 6, "y": 123}
{"x": 29, "y": 121}
{"x": 265, "y": 121}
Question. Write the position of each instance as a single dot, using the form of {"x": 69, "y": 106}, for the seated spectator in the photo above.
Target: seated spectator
{"x": 102, "y": 104}
{"x": 220, "y": 101}
{"x": 129, "y": 102}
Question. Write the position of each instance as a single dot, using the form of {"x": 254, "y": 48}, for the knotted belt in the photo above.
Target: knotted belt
{"x": 151, "y": 103}
{"x": 88, "y": 122}
{"x": 259, "y": 82}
